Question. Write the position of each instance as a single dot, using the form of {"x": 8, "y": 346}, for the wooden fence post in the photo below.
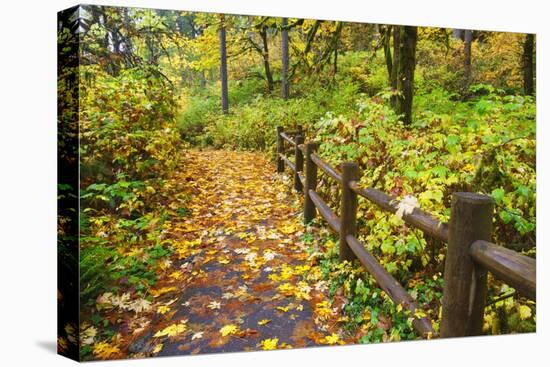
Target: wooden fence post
{"x": 311, "y": 182}
{"x": 298, "y": 162}
{"x": 280, "y": 150}
{"x": 465, "y": 283}
{"x": 348, "y": 209}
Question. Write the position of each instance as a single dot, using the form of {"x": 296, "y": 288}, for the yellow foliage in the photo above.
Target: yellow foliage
{"x": 172, "y": 330}
{"x": 269, "y": 344}
{"x": 229, "y": 330}
{"x": 105, "y": 350}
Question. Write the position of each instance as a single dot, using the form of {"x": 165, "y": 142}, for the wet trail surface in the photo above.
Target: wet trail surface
{"x": 240, "y": 277}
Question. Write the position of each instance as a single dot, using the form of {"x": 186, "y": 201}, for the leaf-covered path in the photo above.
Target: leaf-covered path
{"x": 237, "y": 278}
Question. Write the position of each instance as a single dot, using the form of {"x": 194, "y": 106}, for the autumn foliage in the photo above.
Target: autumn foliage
{"x": 191, "y": 243}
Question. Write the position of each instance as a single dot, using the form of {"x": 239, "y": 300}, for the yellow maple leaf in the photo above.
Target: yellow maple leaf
{"x": 105, "y": 350}
{"x": 288, "y": 229}
{"x": 332, "y": 339}
{"x": 282, "y": 309}
{"x": 158, "y": 348}
{"x": 269, "y": 344}
{"x": 264, "y": 322}
{"x": 160, "y": 292}
{"x": 172, "y": 330}
{"x": 175, "y": 275}
{"x": 229, "y": 329}
{"x": 322, "y": 309}
{"x": 286, "y": 289}
{"x": 163, "y": 309}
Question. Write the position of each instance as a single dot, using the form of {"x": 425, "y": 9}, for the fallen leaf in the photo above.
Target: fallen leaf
{"x": 269, "y": 344}
{"x": 158, "y": 348}
{"x": 197, "y": 335}
{"x": 172, "y": 330}
{"x": 105, "y": 350}
{"x": 406, "y": 206}
{"x": 163, "y": 309}
{"x": 332, "y": 339}
{"x": 229, "y": 330}
{"x": 214, "y": 305}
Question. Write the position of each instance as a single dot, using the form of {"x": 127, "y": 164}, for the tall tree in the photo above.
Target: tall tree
{"x": 395, "y": 65}
{"x": 261, "y": 25}
{"x": 528, "y": 67}
{"x": 223, "y": 66}
{"x": 405, "y": 72}
{"x": 385, "y": 33}
{"x": 335, "y": 41}
{"x": 284, "y": 51}
{"x": 467, "y": 58}
{"x": 265, "y": 56}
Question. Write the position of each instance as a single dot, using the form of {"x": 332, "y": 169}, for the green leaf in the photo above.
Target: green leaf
{"x": 505, "y": 216}
{"x": 440, "y": 171}
{"x": 523, "y": 191}
{"x": 453, "y": 140}
{"x": 498, "y": 195}
{"x": 387, "y": 247}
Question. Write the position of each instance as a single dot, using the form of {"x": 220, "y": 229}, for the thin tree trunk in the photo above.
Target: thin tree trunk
{"x": 223, "y": 66}
{"x": 311, "y": 36}
{"x": 405, "y": 74}
{"x": 202, "y": 79}
{"x": 335, "y": 68}
{"x": 396, "y": 61}
{"x": 528, "y": 80}
{"x": 467, "y": 58}
{"x": 265, "y": 55}
{"x": 284, "y": 71}
{"x": 335, "y": 46}
{"x": 386, "y": 40}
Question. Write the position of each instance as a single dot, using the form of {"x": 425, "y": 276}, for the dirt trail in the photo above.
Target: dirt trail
{"x": 236, "y": 281}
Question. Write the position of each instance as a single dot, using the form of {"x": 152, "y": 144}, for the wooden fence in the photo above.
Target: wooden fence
{"x": 470, "y": 254}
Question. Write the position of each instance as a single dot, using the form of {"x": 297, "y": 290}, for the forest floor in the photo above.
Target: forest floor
{"x": 240, "y": 277}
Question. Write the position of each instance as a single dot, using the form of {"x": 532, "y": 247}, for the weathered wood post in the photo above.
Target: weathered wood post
{"x": 299, "y": 162}
{"x": 280, "y": 150}
{"x": 348, "y": 209}
{"x": 465, "y": 282}
{"x": 311, "y": 182}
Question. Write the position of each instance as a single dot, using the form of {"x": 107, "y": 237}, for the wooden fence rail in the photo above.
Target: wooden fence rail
{"x": 470, "y": 254}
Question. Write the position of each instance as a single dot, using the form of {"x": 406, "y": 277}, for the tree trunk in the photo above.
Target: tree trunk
{"x": 405, "y": 73}
{"x": 202, "y": 79}
{"x": 528, "y": 47}
{"x": 467, "y": 58}
{"x": 284, "y": 71}
{"x": 396, "y": 60}
{"x": 311, "y": 35}
{"x": 386, "y": 40}
{"x": 265, "y": 55}
{"x": 335, "y": 46}
{"x": 223, "y": 66}
{"x": 335, "y": 66}
{"x": 457, "y": 33}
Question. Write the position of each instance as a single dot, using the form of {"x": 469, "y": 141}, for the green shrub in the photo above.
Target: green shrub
{"x": 126, "y": 124}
